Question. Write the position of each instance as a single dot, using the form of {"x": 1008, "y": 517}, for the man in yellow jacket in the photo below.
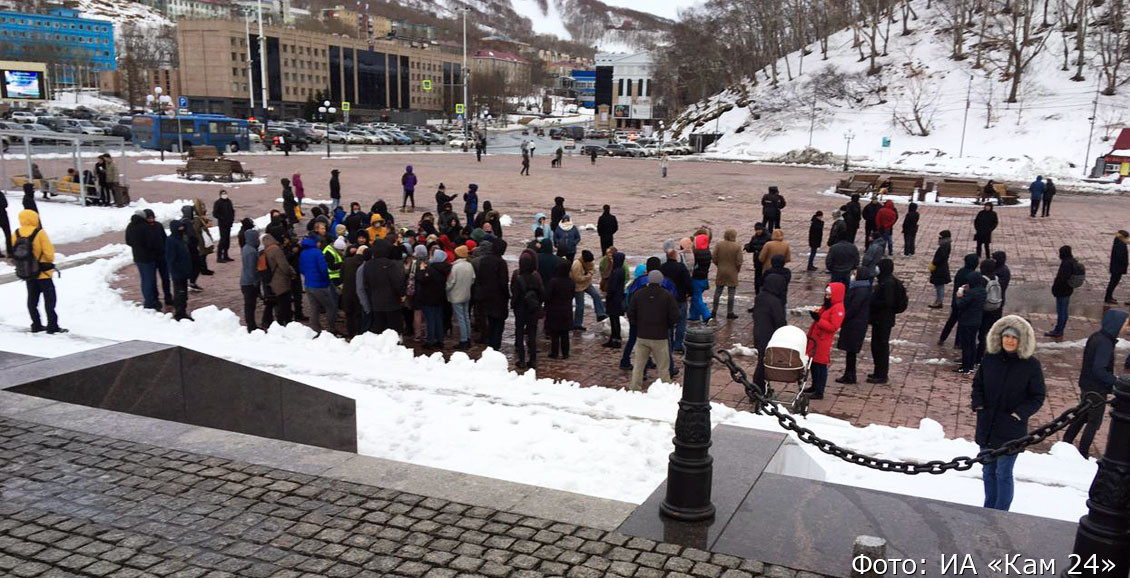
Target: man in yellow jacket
{"x": 36, "y": 267}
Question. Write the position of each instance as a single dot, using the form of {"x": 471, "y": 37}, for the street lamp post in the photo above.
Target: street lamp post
{"x": 160, "y": 102}
{"x": 326, "y": 111}
{"x": 465, "y": 73}
{"x": 847, "y": 137}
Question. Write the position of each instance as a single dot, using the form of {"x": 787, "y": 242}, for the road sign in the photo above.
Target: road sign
{"x": 427, "y": 85}
{"x": 345, "y": 106}
{"x": 459, "y": 108}
{"x": 182, "y": 102}
{"x": 458, "y": 117}
{"x": 886, "y": 142}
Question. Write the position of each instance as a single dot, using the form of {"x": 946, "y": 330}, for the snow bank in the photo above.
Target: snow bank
{"x": 185, "y": 181}
{"x": 67, "y": 222}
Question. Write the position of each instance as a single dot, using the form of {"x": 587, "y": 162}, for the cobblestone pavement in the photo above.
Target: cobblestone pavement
{"x": 726, "y": 195}
{"x": 87, "y": 506}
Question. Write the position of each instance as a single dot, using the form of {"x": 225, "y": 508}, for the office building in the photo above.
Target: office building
{"x": 515, "y": 69}
{"x": 584, "y": 85}
{"x": 74, "y": 48}
{"x": 623, "y": 84}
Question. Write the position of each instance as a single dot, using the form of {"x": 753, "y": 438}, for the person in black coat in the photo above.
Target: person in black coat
{"x": 756, "y": 242}
{"x": 1062, "y": 290}
{"x": 430, "y": 296}
{"x": 1097, "y": 375}
{"x": 5, "y": 225}
{"x": 769, "y": 315}
{"x": 557, "y": 213}
{"x": 614, "y": 298}
{"x": 676, "y": 272}
{"x": 606, "y": 227}
{"x": 559, "y": 310}
{"x": 882, "y": 318}
{"x": 857, "y": 310}
{"x": 546, "y": 262}
{"x": 442, "y": 198}
{"x": 959, "y": 279}
{"x": 940, "y": 269}
{"x": 842, "y": 258}
{"x": 526, "y": 296}
{"x": 970, "y": 308}
{"x": 224, "y": 212}
{"x": 1004, "y": 274}
{"x": 147, "y": 250}
{"x": 385, "y": 282}
{"x": 815, "y": 237}
{"x": 1008, "y": 389}
{"x": 1049, "y": 193}
{"x": 771, "y": 205}
{"x": 290, "y": 204}
{"x": 910, "y": 229}
{"x": 984, "y": 224}
{"x": 29, "y": 200}
{"x": 335, "y": 190}
{"x": 1118, "y": 263}
{"x": 492, "y": 289}
{"x": 853, "y": 214}
{"x": 869, "y": 213}
{"x": 180, "y": 267}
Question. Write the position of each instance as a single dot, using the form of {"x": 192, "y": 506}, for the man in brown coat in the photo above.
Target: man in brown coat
{"x": 281, "y": 275}
{"x": 777, "y": 246}
{"x": 727, "y": 258}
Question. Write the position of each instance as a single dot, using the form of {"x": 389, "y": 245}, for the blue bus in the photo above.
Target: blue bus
{"x": 161, "y": 132}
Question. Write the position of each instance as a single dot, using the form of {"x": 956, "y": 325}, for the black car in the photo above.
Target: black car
{"x": 296, "y": 141}
{"x": 588, "y": 149}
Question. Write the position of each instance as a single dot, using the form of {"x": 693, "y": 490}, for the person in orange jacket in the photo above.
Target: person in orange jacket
{"x": 826, "y": 322}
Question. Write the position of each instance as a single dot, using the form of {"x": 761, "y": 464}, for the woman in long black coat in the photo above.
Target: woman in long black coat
{"x": 768, "y": 316}
{"x": 559, "y": 310}
{"x": 614, "y": 298}
{"x": 857, "y": 312}
{"x": 492, "y": 286}
{"x": 940, "y": 269}
{"x": 1008, "y": 389}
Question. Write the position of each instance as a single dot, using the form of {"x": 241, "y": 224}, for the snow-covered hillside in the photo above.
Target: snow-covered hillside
{"x": 1045, "y": 132}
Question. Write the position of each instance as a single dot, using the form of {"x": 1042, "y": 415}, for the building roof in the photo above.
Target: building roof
{"x": 1123, "y": 141}
{"x": 499, "y": 55}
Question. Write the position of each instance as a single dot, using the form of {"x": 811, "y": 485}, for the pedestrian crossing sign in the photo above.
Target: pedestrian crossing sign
{"x": 427, "y": 85}
{"x": 459, "y": 108}
{"x": 345, "y": 106}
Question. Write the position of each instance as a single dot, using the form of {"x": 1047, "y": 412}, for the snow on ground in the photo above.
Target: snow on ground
{"x": 1044, "y": 133}
{"x": 478, "y": 417}
{"x": 174, "y": 178}
{"x": 544, "y": 22}
{"x": 68, "y": 222}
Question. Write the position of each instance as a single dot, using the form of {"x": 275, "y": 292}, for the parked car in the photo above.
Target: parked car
{"x": 588, "y": 149}
{"x": 297, "y": 142}
{"x": 635, "y": 148}
{"x": 416, "y": 136}
{"x": 363, "y": 137}
{"x": 457, "y": 141}
{"x": 305, "y": 132}
{"x": 399, "y": 137}
{"x": 619, "y": 150}
{"x": 23, "y": 116}
{"x": 57, "y": 124}
{"x": 336, "y": 136}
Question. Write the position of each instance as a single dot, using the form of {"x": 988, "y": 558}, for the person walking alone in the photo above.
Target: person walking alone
{"x": 1118, "y": 265}
{"x": 408, "y": 183}
{"x": 1067, "y": 278}
{"x": 471, "y": 202}
{"x": 335, "y": 189}
{"x": 606, "y": 228}
{"x": 525, "y": 164}
{"x": 815, "y": 238}
{"x": 984, "y": 224}
{"x": 1097, "y": 375}
{"x": 1008, "y": 389}
{"x": 34, "y": 258}
{"x": 224, "y": 212}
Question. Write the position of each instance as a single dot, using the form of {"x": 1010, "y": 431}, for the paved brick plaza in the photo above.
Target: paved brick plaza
{"x": 722, "y": 195}
{"x": 88, "y": 506}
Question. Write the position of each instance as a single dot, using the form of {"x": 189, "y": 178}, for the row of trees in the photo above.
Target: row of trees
{"x": 726, "y": 43}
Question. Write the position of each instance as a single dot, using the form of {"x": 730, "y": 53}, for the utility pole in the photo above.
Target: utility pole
{"x": 965, "y": 120}
{"x": 812, "y": 120}
{"x": 466, "y": 108}
{"x": 1091, "y": 133}
{"x": 262, "y": 61}
{"x": 250, "y": 61}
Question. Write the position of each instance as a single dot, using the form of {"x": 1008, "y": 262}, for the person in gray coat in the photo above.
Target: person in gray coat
{"x": 249, "y": 276}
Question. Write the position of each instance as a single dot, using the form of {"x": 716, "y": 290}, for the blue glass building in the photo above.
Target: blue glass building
{"x": 58, "y": 37}
{"x": 584, "y": 82}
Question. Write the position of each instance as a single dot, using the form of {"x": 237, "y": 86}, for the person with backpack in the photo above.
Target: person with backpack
{"x": 33, "y": 256}
{"x": 994, "y": 301}
{"x": 1097, "y": 375}
{"x": 853, "y": 330}
{"x": 910, "y": 229}
{"x": 1068, "y": 278}
{"x": 526, "y": 297}
{"x": 959, "y": 279}
{"x": 984, "y": 224}
{"x": 179, "y": 258}
{"x": 1118, "y": 265}
{"x": 888, "y": 299}
{"x": 940, "y": 269}
{"x": 815, "y": 238}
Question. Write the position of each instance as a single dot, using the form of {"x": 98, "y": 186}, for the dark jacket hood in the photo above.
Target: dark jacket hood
{"x": 886, "y": 268}
{"x": 618, "y": 260}
{"x": 562, "y": 269}
{"x": 971, "y": 261}
{"x": 559, "y": 201}
{"x": 251, "y": 238}
{"x": 381, "y": 249}
{"x": 1112, "y": 322}
{"x": 1065, "y": 252}
{"x": 527, "y": 262}
{"x": 309, "y": 243}
{"x": 777, "y": 285}
{"x": 1000, "y": 258}
{"x": 186, "y": 211}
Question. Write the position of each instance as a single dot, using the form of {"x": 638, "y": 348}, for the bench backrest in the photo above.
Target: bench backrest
{"x": 865, "y": 178}
{"x": 203, "y": 152}
{"x": 959, "y": 189}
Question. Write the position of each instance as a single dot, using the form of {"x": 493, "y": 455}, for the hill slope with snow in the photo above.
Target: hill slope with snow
{"x": 1045, "y": 132}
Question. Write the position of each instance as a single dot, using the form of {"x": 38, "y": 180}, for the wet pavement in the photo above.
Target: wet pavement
{"x": 720, "y": 195}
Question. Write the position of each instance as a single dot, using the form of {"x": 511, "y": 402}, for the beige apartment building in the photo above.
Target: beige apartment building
{"x": 379, "y": 78}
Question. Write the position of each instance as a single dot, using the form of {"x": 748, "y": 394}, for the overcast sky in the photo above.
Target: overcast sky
{"x": 664, "y": 8}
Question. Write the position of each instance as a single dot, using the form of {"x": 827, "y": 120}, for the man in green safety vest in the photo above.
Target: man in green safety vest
{"x": 333, "y": 257}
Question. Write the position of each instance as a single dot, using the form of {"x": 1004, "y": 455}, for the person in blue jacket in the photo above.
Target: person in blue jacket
{"x": 1037, "y": 189}
{"x": 179, "y": 262}
{"x": 471, "y": 202}
{"x": 565, "y": 238}
{"x": 320, "y": 295}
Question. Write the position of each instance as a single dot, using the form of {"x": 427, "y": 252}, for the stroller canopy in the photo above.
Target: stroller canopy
{"x": 790, "y": 338}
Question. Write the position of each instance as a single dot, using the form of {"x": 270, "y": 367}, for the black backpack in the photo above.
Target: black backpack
{"x": 902, "y": 301}
{"x": 23, "y": 253}
{"x": 531, "y": 302}
{"x": 1078, "y": 275}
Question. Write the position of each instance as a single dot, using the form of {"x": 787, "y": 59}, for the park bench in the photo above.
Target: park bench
{"x": 905, "y": 186}
{"x": 1006, "y": 197}
{"x": 18, "y": 182}
{"x": 958, "y": 189}
{"x": 202, "y": 152}
{"x": 214, "y": 170}
{"x": 858, "y": 184}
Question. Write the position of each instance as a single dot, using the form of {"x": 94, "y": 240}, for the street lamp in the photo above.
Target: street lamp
{"x": 326, "y": 111}
{"x": 847, "y": 137}
{"x": 160, "y": 103}
{"x": 466, "y": 108}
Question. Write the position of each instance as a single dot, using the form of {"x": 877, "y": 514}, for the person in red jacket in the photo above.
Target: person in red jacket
{"x": 826, "y": 322}
{"x": 885, "y": 221}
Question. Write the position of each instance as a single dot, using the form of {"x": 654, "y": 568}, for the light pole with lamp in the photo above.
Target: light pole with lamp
{"x": 466, "y": 108}
{"x": 326, "y": 111}
{"x": 847, "y": 137}
{"x": 160, "y": 102}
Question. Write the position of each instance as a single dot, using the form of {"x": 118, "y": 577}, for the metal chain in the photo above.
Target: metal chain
{"x": 765, "y": 404}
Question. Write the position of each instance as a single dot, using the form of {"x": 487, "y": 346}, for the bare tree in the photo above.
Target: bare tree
{"x": 953, "y": 14}
{"x": 1113, "y": 44}
{"x": 1013, "y": 29}
{"x": 914, "y": 110}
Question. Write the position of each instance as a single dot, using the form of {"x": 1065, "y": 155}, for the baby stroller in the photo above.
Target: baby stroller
{"x": 786, "y": 361}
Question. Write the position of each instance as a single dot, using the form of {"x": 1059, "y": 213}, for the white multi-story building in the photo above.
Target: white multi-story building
{"x": 623, "y": 83}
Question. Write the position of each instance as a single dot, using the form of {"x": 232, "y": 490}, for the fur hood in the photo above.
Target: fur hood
{"x": 1027, "y": 336}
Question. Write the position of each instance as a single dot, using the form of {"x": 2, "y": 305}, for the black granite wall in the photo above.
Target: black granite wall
{"x": 177, "y": 384}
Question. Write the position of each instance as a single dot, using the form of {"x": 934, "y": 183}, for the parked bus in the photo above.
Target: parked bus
{"x": 171, "y": 134}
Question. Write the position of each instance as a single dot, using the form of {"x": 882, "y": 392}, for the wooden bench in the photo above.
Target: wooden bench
{"x": 18, "y": 182}
{"x": 905, "y": 186}
{"x": 858, "y": 184}
{"x": 202, "y": 152}
{"x": 1005, "y": 197}
{"x": 214, "y": 170}
{"x": 959, "y": 189}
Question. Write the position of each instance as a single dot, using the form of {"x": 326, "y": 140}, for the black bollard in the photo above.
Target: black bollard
{"x": 1105, "y": 531}
{"x": 690, "y": 469}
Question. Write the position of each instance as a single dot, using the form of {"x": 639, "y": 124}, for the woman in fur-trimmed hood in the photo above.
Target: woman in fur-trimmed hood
{"x": 1008, "y": 389}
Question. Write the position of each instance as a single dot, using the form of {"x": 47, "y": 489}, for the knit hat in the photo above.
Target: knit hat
{"x": 1009, "y": 330}
{"x": 477, "y": 235}
{"x": 438, "y": 257}
{"x": 461, "y": 252}
{"x": 640, "y": 271}
{"x": 139, "y": 213}
{"x": 339, "y": 244}
{"x": 421, "y": 252}
{"x": 654, "y": 278}
{"x": 471, "y": 244}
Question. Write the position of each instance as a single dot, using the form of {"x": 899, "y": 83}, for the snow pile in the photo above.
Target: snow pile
{"x": 1045, "y": 132}
{"x": 186, "y": 181}
{"x": 71, "y": 223}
